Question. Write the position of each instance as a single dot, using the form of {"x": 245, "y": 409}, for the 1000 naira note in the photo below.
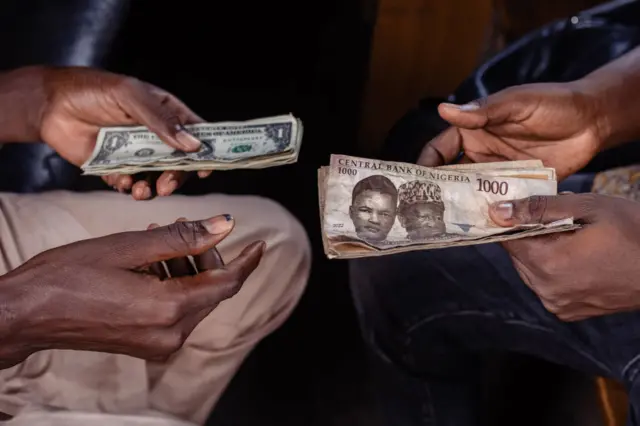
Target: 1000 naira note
{"x": 371, "y": 207}
{"x": 263, "y": 142}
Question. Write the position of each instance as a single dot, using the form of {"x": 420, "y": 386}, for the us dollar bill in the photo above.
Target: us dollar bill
{"x": 372, "y": 207}
{"x": 264, "y": 142}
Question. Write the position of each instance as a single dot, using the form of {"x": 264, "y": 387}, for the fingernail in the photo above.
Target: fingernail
{"x": 219, "y": 224}
{"x": 504, "y": 210}
{"x": 471, "y": 106}
{"x": 187, "y": 140}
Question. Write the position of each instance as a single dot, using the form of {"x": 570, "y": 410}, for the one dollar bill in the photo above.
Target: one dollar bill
{"x": 372, "y": 207}
{"x": 265, "y": 142}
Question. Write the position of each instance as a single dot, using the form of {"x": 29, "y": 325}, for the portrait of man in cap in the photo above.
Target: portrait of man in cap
{"x": 421, "y": 209}
{"x": 373, "y": 207}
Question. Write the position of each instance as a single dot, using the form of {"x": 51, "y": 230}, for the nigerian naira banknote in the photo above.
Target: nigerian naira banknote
{"x": 256, "y": 143}
{"x": 372, "y": 207}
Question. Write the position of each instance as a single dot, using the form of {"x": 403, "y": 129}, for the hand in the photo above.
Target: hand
{"x": 110, "y": 294}
{"x": 557, "y": 123}
{"x": 81, "y": 100}
{"x": 584, "y": 273}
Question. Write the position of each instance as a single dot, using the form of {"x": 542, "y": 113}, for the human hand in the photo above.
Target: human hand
{"x": 110, "y": 294}
{"x": 81, "y": 100}
{"x": 584, "y": 273}
{"x": 558, "y": 123}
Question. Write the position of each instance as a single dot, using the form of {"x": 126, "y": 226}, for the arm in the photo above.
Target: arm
{"x": 22, "y": 101}
{"x": 616, "y": 89}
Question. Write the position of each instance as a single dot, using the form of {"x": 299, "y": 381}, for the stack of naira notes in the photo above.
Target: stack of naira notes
{"x": 372, "y": 207}
{"x": 254, "y": 144}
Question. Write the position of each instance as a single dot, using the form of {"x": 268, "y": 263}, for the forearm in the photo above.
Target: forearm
{"x": 616, "y": 90}
{"x": 16, "y": 342}
{"x": 22, "y": 100}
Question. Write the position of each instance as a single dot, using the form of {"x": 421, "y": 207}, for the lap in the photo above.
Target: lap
{"x": 38, "y": 222}
{"x": 431, "y": 307}
{"x": 33, "y": 223}
{"x": 196, "y": 375}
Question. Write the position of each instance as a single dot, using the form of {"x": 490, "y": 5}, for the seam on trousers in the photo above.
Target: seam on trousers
{"x": 632, "y": 369}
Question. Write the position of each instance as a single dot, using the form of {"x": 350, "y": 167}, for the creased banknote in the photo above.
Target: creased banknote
{"x": 371, "y": 207}
{"x": 260, "y": 143}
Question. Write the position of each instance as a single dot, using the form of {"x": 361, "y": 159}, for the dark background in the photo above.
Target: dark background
{"x": 241, "y": 60}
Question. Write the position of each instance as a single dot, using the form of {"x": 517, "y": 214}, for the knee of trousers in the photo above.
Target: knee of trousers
{"x": 396, "y": 288}
{"x": 287, "y": 258}
{"x": 394, "y": 293}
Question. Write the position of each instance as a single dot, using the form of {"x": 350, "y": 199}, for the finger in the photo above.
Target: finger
{"x": 465, "y": 160}
{"x": 191, "y": 320}
{"x": 140, "y": 248}
{"x": 544, "y": 209}
{"x": 506, "y": 106}
{"x": 141, "y": 190}
{"x": 152, "y": 108}
{"x": 157, "y": 268}
{"x": 499, "y": 108}
{"x": 111, "y": 180}
{"x": 441, "y": 150}
{"x": 183, "y": 111}
{"x": 210, "y": 259}
{"x": 209, "y": 288}
{"x": 473, "y": 115}
{"x": 534, "y": 253}
{"x": 204, "y": 173}
{"x": 124, "y": 183}
{"x": 106, "y": 181}
{"x": 180, "y": 266}
{"x": 144, "y": 186}
{"x": 170, "y": 181}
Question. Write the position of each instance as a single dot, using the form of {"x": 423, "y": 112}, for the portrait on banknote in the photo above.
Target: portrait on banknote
{"x": 373, "y": 207}
{"x": 421, "y": 209}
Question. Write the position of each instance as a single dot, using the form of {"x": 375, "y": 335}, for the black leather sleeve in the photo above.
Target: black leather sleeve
{"x": 69, "y": 32}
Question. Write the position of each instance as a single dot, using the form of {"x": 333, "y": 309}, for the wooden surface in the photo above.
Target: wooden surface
{"x": 614, "y": 402}
{"x": 420, "y": 48}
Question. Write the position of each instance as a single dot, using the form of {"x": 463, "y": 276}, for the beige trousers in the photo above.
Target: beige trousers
{"x": 188, "y": 385}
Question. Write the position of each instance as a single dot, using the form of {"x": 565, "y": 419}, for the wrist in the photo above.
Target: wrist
{"x": 615, "y": 94}
{"x": 23, "y": 100}
{"x": 595, "y": 96}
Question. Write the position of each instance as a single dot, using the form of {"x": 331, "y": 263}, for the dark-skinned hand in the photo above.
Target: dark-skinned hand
{"x": 584, "y": 273}
{"x": 113, "y": 294}
{"x": 81, "y": 100}
{"x": 558, "y": 123}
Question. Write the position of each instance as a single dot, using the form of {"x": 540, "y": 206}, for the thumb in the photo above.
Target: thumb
{"x": 473, "y": 115}
{"x": 161, "y": 112}
{"x": 180, "y": 239}
{"x": 494, "y": 109}
{"x": 544, "y": 209}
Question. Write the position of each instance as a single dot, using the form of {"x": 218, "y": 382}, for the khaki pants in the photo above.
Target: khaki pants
{"x": 188, "y": 385}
